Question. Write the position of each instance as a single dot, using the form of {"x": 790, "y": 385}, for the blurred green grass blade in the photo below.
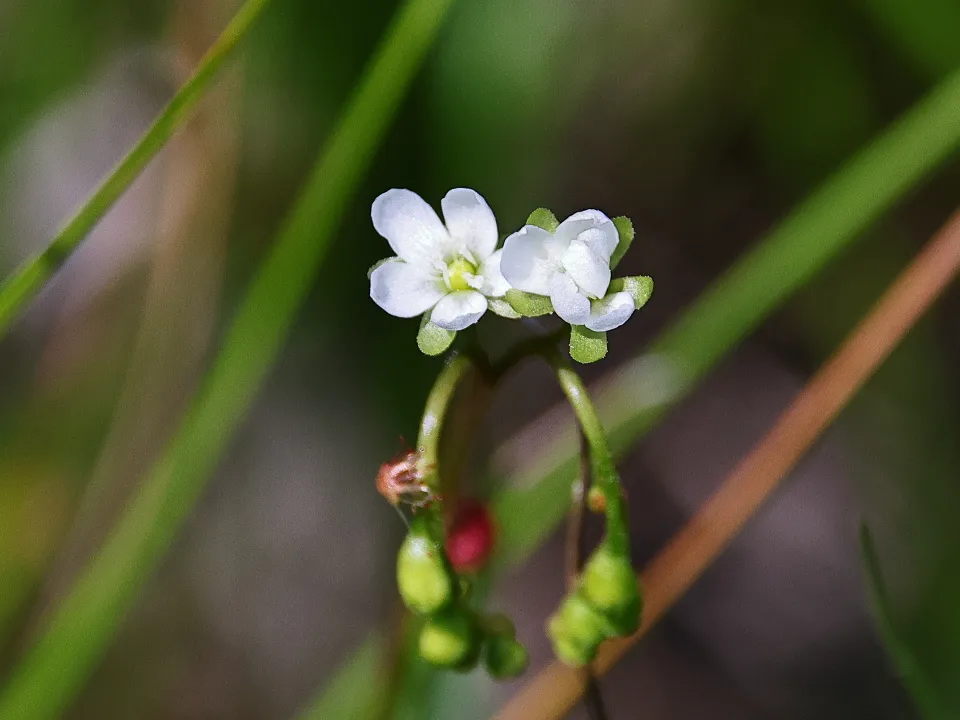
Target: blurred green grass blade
{"x": 908, "y": 669}
{"x": 925, "y": 31}
{"x": 827, "y": 222}
{"x": 356, "y": 691}
{"x": 53, "y": 671}
{"x": 18, "y": 289}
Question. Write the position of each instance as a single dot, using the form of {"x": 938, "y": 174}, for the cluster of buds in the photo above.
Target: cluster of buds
{"x": 606, "y": 603}
{"x": 453, "y": 635}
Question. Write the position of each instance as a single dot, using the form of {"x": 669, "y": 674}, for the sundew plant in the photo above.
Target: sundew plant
{"x": 810, "y": 135}
{"x": 451, "y": 272}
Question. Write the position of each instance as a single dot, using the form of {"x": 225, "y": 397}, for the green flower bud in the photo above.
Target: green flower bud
{"x": 576, "y": 630}
{"x": 573, "y": 653}
{"x": 450, "y": 639}
{"x": 608, "y": 583}
{"x": 499, "y": 624}
{"x": 424, "y": 580}
{"x": 505, "y": 657}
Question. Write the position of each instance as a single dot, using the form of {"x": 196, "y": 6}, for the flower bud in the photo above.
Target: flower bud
{"x": 596, "y": 500}
{"x": 499, "y": 624}
{"x": 504, "y": 657}
{"x": 450, "y": 639}
{"x": 608, "y": 583}
{"x": 576, "y": 630}
{"x": 470, "y": 537}
{"x": 424, "y": 580}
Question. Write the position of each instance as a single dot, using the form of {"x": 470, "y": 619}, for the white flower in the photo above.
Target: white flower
{"x": 450, "y": 269}
{"x": 572, "y": 266}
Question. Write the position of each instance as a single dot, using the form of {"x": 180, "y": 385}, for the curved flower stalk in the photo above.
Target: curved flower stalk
{"x": 451, "y": 633}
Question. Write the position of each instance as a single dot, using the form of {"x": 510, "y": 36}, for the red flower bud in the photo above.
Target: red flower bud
{"x": 470, "y": 537}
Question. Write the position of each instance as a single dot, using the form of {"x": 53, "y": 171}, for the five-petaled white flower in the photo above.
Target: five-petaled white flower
{"x": 572, "y": 266}
{"x": 450, "y": 269}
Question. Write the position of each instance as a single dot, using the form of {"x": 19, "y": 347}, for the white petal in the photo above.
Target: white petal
{"x": 594, "y": 228}
{"x": 459, "y": 310}
{"x": 405, "y": 290}
{"x": 411, "y": 227}
{"x": 589, "y": 270}
{"x": 611, "y": 312}
{"x": 494, "y": 284}
{"x": 471, "y": 222}
{"x": 474, "y": 281}
{"x": 569, "y": 303}
{"x": 530, "y": 259}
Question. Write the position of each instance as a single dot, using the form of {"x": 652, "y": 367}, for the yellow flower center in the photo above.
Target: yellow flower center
{"x": 457, "y": 272}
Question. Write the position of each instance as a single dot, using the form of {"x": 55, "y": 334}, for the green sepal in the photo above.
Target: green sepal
{"x": 424, "y": 578}
{"x": 502, "y": 308}
{"x": 587, "y": 346}
{"x": 433, "y": 339}
{"x": 624, "y": 227}
{"x": 378, "y": 264}
{"x": 528, "y": 304}
{"x": 450, "y": 639}
{"x": 639, "y": 286}
{"x": 543, "y": 218}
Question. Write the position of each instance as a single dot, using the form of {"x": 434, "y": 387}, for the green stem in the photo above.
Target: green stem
{"x": 54, "y": 670}
{"x": 17, "y": 290}
{"x": 434, "y": 411}
{"x": 818, "y": 230}
{"x": 602, "y": 466}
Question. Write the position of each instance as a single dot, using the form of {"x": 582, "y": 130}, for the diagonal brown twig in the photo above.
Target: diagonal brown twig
{"x": 552, "y": 693}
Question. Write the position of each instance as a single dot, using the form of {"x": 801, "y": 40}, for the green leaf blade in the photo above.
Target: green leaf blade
{"x": 27, "y": 280}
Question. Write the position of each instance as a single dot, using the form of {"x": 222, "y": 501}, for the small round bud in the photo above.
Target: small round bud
{"x": 499, "y": 624}
{"x": 505, "y": 657}
{"x": 596, "y": 500}
{"x": 609, "y": 584}
{"x": 576, "y": 630}
{"x": 423, "y": 578}
{"x": 450, "y": 639}
{"x": 470, "y": 537}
